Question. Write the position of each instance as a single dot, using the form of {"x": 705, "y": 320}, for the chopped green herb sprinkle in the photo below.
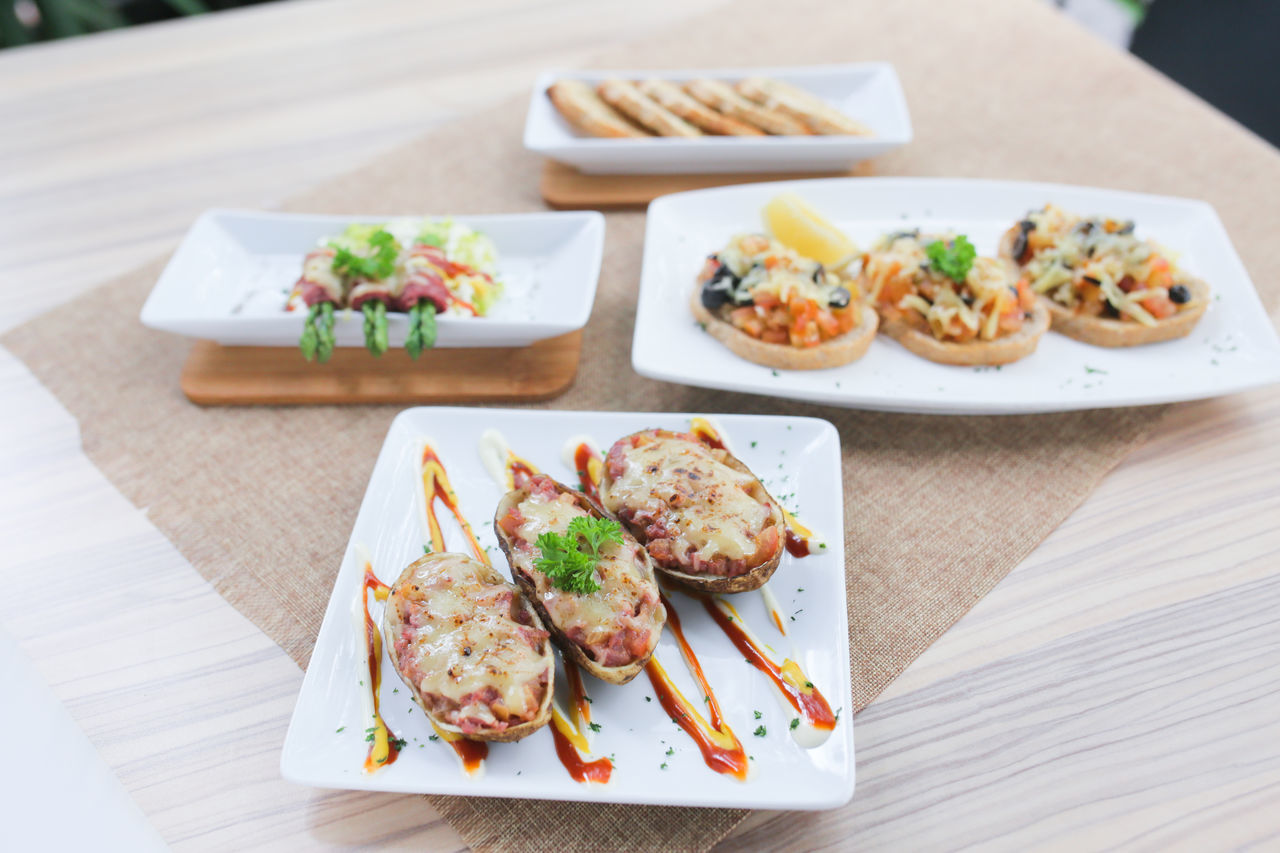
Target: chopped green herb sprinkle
{"x": 760, "y": 731}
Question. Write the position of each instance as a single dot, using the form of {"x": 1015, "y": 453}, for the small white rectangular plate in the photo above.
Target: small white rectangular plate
{"x": 866, "y": 91}
{"x": 231, "y": 276}
{"x": 1233, "y": 348}
{"x": 798, "y": 458}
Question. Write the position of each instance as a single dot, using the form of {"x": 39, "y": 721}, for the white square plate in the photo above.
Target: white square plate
{"x": 231, "y": 276}
{"x": 1234, "y": 347}
{"x": 798, "y": 458}
{"x": 866, "y": 91}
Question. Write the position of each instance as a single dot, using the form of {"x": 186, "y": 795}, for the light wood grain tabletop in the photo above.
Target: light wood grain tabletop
{"x": 1121, "y": 687}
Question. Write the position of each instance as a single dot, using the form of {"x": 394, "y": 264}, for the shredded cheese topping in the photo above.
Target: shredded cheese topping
{"x": 1089, "y": 263}
{"x": 898, "y": 274}
{"x": 765, "y": 266}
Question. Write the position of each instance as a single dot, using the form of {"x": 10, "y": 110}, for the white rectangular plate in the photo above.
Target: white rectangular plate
{"x": 866, "y": 91}
{"x": 230, "y": 277}
{"x": 1234, "y": 347}
{"x": 798, "y": 458}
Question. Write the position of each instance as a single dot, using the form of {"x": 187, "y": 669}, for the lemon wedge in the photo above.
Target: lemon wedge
{"x": 798, "y": 226}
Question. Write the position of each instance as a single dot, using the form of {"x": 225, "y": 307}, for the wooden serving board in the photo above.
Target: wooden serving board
{"x": 566, "y": 188}
{"x": 217, "y": 375}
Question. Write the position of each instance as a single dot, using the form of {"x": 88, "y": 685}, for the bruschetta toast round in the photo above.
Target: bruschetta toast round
{"x": 941, "y": 301}
{"x": 1002, "y": 350}
{"x": 772, "y": 306}
{"x": 1101, "y": 284}
{"x": 605, "y": 611}
{"x": 833, "y": 352}
{"x": 705, "y": 519}
{"x": 470, "y": 648}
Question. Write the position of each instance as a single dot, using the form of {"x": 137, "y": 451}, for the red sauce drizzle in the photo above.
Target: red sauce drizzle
{"x": 436, "y": 486}
{"x": 796, "y": 546}
{"x": 521, "y": 472}
{"x": 373, "y": 645}
{"x": 582, "y": 458}
{"x": 808, "y": 701}
{"x": 731, "y": 760}
{"x": 707, "y": 434}
{"x": 579, "y": 768}
{"x": 577, "y": 694}
{"x": 471, "y": 752}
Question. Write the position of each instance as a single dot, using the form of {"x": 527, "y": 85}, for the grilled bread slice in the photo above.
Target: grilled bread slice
{"x": 843, "y": 349}
{"x": 721, "y": 96}
{"x": 815, "y": 113}
{"x": 583, "y": 109}
{"x": 1113, "y": 332}
{"x": 672, "y": 97}
{"x": 624, "y": 97}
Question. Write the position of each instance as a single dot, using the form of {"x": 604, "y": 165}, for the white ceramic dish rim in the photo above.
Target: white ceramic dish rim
{"x": 996, "y": 406}
{"x": 155, "y": 314}
{"x": 899, "y": 133}
{"x": 338, "y": 618}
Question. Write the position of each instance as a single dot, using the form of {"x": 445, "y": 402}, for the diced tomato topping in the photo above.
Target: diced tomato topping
{"x": 1160, "y": 306}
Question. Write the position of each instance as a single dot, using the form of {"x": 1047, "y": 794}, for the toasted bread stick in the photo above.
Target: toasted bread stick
{"x": 580, "y": 106}
{"x": 720, "y": 96}
{"x": 815, "y": 113}
{"x": 624, "y": 97}
{"x": 672, "y": 97}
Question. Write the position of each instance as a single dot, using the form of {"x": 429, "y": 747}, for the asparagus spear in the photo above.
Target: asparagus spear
{"x": 375, "y": 326}
{"x": 317, "y": 333}
{"x": 422, "y": 328}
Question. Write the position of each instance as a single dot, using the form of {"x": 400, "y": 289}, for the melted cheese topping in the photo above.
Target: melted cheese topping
{"x": 623, "y": 574}
{"x": 708, "y": 507}
{"x": 317, "y": 268}
{"x": 449, "y": 617}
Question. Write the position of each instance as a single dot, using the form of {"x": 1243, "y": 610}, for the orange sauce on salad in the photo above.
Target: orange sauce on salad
{"x": 720, "y": 747}
{"x": 787, "y": 677}
{"x": 383, "y": 749}
{"x": 436, "y": 486}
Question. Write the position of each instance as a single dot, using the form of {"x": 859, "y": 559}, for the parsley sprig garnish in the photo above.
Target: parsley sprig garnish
{"x": 953, "y": 261}
{"x": 378, "y": 262}
{"x": 569, "y": 560}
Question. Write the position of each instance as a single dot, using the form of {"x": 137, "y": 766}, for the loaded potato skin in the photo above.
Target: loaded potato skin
{"x": 705, "y": 519}
{"x": 610, "y": 631}
{"x": 470, "y": 647}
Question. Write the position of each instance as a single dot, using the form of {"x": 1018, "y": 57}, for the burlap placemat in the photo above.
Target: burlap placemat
{"x": 261, "y": 500}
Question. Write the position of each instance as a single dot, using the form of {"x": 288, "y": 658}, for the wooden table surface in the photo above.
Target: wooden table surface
{"x": 1122, "y": 686}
